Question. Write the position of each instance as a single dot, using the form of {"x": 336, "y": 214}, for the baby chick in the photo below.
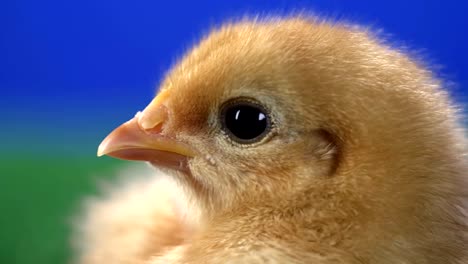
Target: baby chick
{"x": 291, "y": 141}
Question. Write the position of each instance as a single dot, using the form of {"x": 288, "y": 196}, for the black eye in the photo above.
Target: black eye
{"x": 245, "y": 121}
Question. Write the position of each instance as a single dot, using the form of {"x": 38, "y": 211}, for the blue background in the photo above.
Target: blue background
{"x": 70, "y": 71}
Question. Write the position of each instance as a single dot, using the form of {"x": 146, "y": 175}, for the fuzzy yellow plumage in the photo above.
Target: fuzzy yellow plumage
{"x": 362, "y": 159}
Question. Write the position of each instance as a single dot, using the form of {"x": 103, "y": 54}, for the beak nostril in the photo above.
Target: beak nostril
{"x": 157, "y": 129}
{"x": 153, "y": 117}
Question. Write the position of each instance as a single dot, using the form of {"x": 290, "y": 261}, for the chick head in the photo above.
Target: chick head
{"x": 297, "y": 114}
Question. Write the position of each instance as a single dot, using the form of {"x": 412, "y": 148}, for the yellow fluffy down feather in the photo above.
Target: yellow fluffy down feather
{"x": 363, "y": 159}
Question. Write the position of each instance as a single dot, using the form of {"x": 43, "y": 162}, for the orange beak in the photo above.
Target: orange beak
{"x": 141, "y": 138}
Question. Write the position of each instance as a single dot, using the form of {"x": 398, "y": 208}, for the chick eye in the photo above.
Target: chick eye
{"x": 245, "y": 121}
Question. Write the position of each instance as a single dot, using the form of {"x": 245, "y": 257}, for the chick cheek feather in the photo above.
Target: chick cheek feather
{"x": 132, "y": 142}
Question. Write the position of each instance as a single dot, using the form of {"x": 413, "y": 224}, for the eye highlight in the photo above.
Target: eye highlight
{"x": 245, "y": 121}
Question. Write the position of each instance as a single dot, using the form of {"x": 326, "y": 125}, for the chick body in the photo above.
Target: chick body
{"x": 366, "y": 162}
